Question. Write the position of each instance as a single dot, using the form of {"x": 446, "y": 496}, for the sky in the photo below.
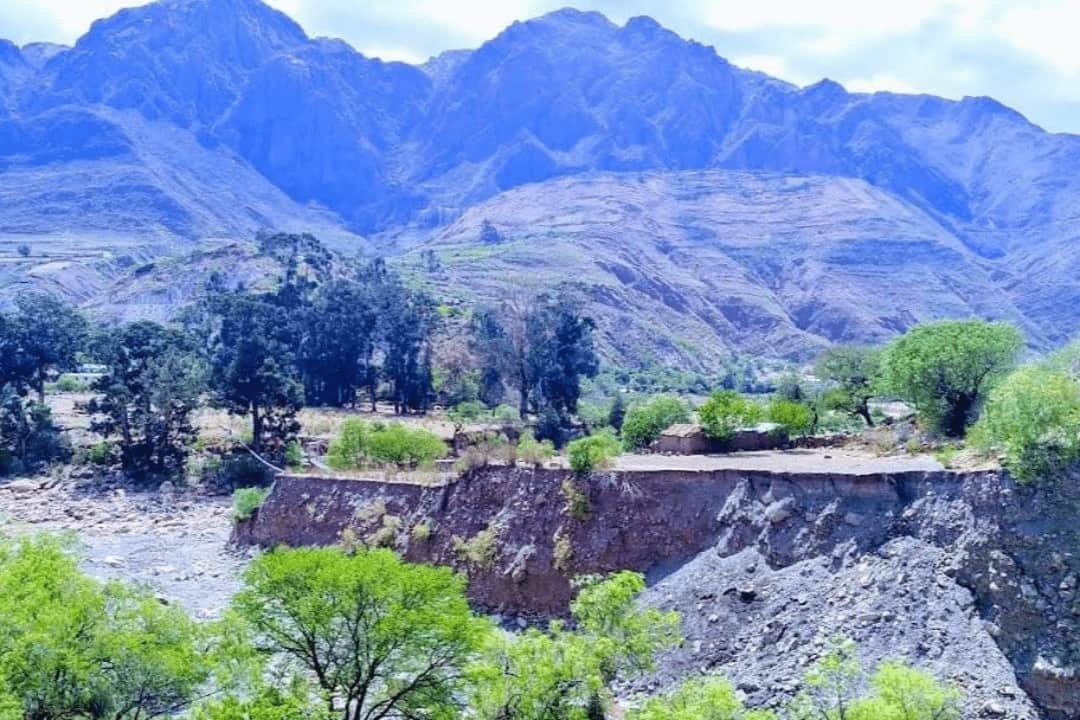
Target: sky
{"x": 1021, "y": 52}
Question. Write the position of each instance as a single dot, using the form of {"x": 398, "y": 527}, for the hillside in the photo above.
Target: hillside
{"x": 714, "y": 208}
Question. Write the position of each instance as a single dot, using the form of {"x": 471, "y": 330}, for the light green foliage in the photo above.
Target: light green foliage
{"x": 71, "y": 383}
{"x": 945, "y": 369}
{"x": 481, "y": 549}
{"x": 707, "y": 698}
{"x": 380, "y": 638}
{"x": 794, "y": 418}
{"x": 577, "y": 502}
{"x": 533, "y": 451}
{"x": 73, "y": 648}
{"x": 1033, "y": 419}
{"x": 644, "y": 423}
{"x": 245, "y": 501}
{"x": 565, "y": 674}
{"x": 506, "y": 414}
{"x": 294, "y": 454}
{"x": 832, "y": 690}
{"x": 466, "y": 412}
{"x": 851, "y": 374}
{"x": 899, "y": 692}
{"x": 362, "y": 444}
{"x": 726, "y": 411}
{"x": 266, "y": 703}
{"x": 593, "y": 452}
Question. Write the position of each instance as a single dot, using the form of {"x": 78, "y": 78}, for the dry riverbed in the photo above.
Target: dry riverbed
{"x": 173, "y": 541}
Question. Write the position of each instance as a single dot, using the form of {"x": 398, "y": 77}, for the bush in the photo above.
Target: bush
{"x": 70, "y": 383}
{"x": 644, "y": 423}
{"x": 725, "y": 412}
{"x": 794, "y": 418}
{"x": 1033, "y": 419}
{"x": 533, "y": 451}
{"x": 362, "y": 444}
{"x": 246, "y": 501}
{"x": 294, "y": 454}
{"x": 593, "y": 452}
{"x": 102, "y": 453}
{"x": 239, "y": 471}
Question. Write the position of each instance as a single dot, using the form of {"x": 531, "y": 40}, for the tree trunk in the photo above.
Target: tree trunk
{"x": 864, "y": 413}
{"x": 256, "y": 428}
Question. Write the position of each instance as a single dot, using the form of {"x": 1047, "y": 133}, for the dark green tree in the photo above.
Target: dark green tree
{"x": 147, "y": 398}
{"x": 253, "y": 368}
{"x": 50, "y": 333}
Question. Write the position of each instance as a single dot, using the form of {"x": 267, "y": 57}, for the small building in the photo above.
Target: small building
{"x": 690, "y": 439}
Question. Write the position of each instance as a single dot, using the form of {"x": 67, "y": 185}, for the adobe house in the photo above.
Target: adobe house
{"x": 690, "y": 439}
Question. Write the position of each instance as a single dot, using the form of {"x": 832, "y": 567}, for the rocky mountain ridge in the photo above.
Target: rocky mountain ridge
{"x": 200, "y": 119}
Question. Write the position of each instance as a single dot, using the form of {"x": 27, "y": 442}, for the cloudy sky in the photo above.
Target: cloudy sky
{"x": 1022, "y": 52}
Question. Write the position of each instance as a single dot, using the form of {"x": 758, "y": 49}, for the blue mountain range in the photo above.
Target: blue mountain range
{"x": 200, "y": 119}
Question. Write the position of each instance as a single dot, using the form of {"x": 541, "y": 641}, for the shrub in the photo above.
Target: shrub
{"x": 945, "y": 369}
{"x": 644, "y": 423}
{"x": 593, "y": 452}
{"x": 725, "y": 412}
{"x": 794, "y": 418}
{"x": 361, "y": 444}
{"x": 562, "y": 552}
{"x": 506, "y": 414}
{"x": 240, "y": 470}
{"x": 246, "y": 501}
{"x": 577, "y": 502}
{"x": 102, "y": 453}
{"x": 481, "y": 549}
{"x": 1033, "y": 419}
{"x": 294, "y": 454}
{"x": 421, "y": 531}
{"x": 533, "y": 451}
{"x": 466, "y": 412}
{"x": 70, "y": 383}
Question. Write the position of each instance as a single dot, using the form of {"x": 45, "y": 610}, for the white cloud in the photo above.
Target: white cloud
{"x": 1047, "y": 30}
{"x": 62, "y": 21}
{"x": 878, "y": 83}
{"x": 774, "y": 65}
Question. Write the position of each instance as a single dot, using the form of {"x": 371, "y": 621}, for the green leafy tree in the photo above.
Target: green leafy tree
{"x": 794, "y": 418}
{"x": 617, "y": 413}
{"x": 253, "y": 367}
{"x": 381, "y": 638}
{"x": 28, "y": 435}
{"x": 362, "y": 444}
{"x": 945, "y": 369}
{"x": 707, "y": 698}
{"x": 264, "y": 703}
{"x": 73, "y": 648}
{"x": 564, "y": 673}
{"x": 851, "y": 373}
{"x": 726, "y": 411}
{"x": 644, "y": 423}
{"x": 51, "y": 332}
{"x": 154, "y": 384}
{"x": 1033, "y": 418}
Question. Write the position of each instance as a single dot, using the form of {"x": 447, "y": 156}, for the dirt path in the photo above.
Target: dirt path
{"x": 173, "y": 542}
{"x": 832, "y": 460}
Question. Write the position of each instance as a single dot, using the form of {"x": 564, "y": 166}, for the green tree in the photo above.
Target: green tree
{"x": 725, "y": 412}
{"x": 264, "y": 703}
{"x": 851, "y": 373}
{"x": 795, "y": 418}
{"x": 73, "y": 648}
{"x": 707, "y": 698}
{"x": 566, "y": 674}
{"x": 253, "y": 367}
{"x": 1033, "y": 418}
{"x": 617, "y": 413}
{"x": 946, "y": 368}
{"x": 28, "y": 435}
{"x": 381, "y": 638}
{"x": 644, "y": 423}
{"x": 154, "y": 384}
{"x": 51, "y": 332}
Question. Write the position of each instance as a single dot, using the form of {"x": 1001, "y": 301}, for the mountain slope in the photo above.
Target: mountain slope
{"x": 793, "y": 216}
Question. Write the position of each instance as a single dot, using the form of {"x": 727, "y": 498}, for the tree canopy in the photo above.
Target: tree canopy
{"x": 945, "y": 369}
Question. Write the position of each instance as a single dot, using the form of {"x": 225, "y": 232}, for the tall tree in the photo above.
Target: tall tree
{"x": 51, "y": 333}
{"x": 253, "y": 369}
{"x": 154, "y": 384}
{"x": 852, "y": 373}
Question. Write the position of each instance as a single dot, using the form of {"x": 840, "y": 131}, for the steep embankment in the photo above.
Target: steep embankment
{"x": 965, "y": 573}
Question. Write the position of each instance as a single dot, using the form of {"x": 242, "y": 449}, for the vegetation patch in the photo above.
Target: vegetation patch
{"x": 595, "y": 452}
{"x": 245, "y": 501}
{"x": 481, "y": 549}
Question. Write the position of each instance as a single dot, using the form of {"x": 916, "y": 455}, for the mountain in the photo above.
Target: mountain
{"x": 703, "y": 208}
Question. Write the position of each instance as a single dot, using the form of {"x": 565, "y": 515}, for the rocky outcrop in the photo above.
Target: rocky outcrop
{"x": 966, "y": 573}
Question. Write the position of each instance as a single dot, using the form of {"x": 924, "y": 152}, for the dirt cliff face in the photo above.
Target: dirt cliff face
{"x": 968, "y": 574}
